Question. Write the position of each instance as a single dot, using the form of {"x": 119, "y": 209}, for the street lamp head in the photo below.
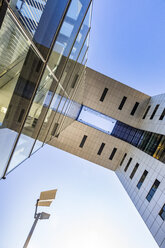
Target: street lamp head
{"x": 44, "y": 216}
{"x": 48, "y": 195}
{"x": 45, "y": 200}
{"x": 44, "y": 203}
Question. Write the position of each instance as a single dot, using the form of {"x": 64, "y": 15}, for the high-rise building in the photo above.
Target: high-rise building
{"x": 47, "y": 96}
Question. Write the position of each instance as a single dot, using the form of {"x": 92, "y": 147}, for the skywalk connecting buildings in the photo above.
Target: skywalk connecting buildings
{"x": 47, "y": 96}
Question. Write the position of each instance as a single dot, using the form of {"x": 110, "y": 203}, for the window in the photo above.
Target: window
{"x": 122, "y": 103}
{"x": 142, "y": 179}
{"x": 103, "y": 95}
{"x": 162, "y": 212}
{"x": 162, "y": 115}
{"x": 144, "y": 116}
{"x": 83, "y": 141}
{"x": 152, "y": 190}
{"x": 154, "y": 112}
{"x": 21, "y": 115}
{"x": 123, "y": 159}
{"x": 75, "y": 81}
{"x": 129, "y": 161}
{"x": 113, "y": 153}
{"x": 54, "y": 129}
{"x": 101, "y": 149}
{"x": 134, "y": 108}
{"x": 134, "y": 170}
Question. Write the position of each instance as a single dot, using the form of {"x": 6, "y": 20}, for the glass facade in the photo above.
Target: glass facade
{"x": 42, "y": 58}
{"x": 151, "y": 143}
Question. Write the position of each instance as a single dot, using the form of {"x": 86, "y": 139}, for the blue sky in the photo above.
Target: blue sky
{"x": 91, "y": 210}
{"x": 127, "y": 42}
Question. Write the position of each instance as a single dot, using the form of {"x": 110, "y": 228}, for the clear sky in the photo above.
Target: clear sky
{"x": 128, "y": 42}
{"x": 91, "y": 210}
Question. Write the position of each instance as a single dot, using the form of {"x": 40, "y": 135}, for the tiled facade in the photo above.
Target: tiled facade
{"x": 70, "y": 139}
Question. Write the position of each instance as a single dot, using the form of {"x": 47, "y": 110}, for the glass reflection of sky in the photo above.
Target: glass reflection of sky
{"x": 96, "y": 119}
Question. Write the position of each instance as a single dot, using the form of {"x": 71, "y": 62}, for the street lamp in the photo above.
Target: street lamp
{"x": 45, "y": 200}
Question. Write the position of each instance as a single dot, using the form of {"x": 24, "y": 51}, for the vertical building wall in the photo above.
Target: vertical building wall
{"x": 149, "y": 211}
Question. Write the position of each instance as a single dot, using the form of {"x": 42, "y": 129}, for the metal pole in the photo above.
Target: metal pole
{"x": 32, "y": 230}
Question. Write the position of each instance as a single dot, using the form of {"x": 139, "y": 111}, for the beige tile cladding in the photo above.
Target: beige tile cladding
{"x": 148, "y": 210}
{"x": 95, "y": 85}
{"x": 70, "y": 139}
{"x": 155, "y": 125}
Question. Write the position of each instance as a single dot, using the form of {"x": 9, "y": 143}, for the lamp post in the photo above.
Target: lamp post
{"x": 45, "y": 200}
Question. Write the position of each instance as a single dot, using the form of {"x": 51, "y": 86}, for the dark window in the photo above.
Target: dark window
{"x": 134, "y": 108}
{"x": 83, "y": 141}
{"x": 101, "y": 149}
{"x": 154, "y": 112}
{"x": 134, "y": 170}
{"x": 123, "y": 159}
{"x": 162, "y": 115}
{"x": 113, "y": 153}
{"x": 21, "y": 115}
{"x": 129, "y": 161}
{"x": 142, "y": 179}
{"x": 34, "y": 122}
{"x": 122, "y": 103}
{"x": 153, "y": 143}
{"x": 54, "y": 129}
{"x": 104, "y": 94}
{"x": 152, "y": 190}
{"x": 148, "y": 108}
{"x": 74, "y": 81}
{"x": 162, "y": 212}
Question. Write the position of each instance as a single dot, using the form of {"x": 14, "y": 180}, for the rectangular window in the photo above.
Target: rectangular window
{"x": 122, "y": 103}
{"x": 134, "y": 170}
{"x": 162, "y": 115}
{"x": 101, "y": 149}
{"x": 162, "y": 212}
{"x": 54, "y": 129}
{"x": 123, "y": 159}
{"x": 83, "y": 141}
{"x": 113, "y": 153}
{"x": 21, "y": 115}
{"x": 142, "y": 179}
{"x": 154, "y": 112}
{"x": 103, "y": 95}
{"x": 148, "y": 108}
{"x": 152, "y": 190}
{"x": 74, "y": 81}
{"x": 134, "y": 108}
{"x": 129, "y": 161}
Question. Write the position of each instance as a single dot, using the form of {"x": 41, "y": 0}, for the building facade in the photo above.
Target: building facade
{"x": 47, "y": 96}
{"x": 123, "y": 129}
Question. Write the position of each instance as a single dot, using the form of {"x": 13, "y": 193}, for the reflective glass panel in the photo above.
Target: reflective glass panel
{"x": 13, "y": 50}
{"x": 41, "y": 18}
{"x": 67, "y": 35}
{"x": 33, "y": 121}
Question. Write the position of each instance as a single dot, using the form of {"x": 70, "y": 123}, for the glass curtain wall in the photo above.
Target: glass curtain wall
{"x": 62, "y": 97}
{"x": 13, "y": 50}
{"x": 30, "y": 83}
